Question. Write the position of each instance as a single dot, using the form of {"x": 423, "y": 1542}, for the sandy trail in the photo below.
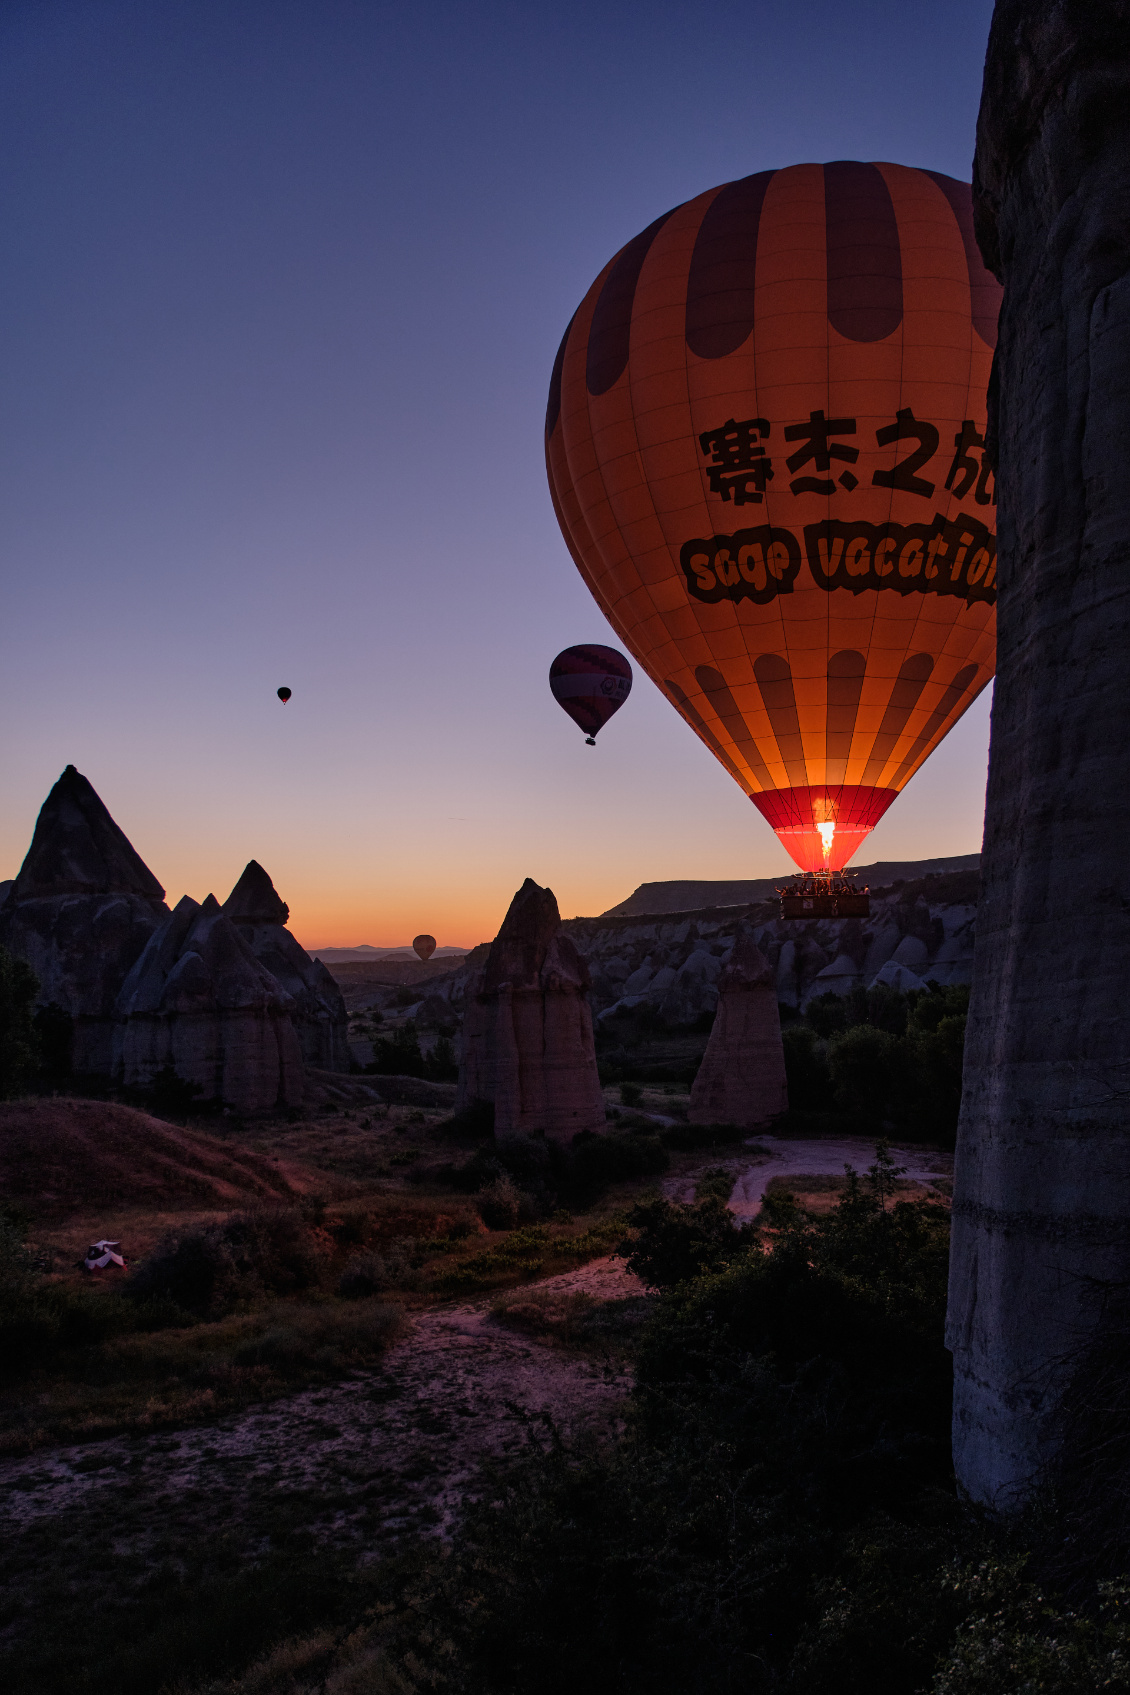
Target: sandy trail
{"x": 382, "y": 1453}
{"x": 789, "y": 1157}
{"x": 393, "y": 1451}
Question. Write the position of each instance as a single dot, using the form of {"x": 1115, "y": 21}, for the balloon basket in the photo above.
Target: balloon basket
{"x": 824, "y": 894}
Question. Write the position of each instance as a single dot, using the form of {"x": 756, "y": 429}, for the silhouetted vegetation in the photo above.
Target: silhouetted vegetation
{"x": 881, "y": 1058}
{"x": 211, "y": 1269}
{"x": 19, "y": 1045}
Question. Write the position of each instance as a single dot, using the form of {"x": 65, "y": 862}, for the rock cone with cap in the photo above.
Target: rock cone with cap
{"x": 320, "y": 1018}
{"x": 80, "y": 911}
{"x": 742, "y": 1076}
{"x": 527, "y": 1031}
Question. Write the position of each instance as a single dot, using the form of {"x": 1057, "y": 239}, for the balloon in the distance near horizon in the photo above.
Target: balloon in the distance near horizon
{"x": 283, "y": 694}
{"x": 590, "y": 684}
{"x": 425, "y": 946}
{"x": 765, "y": 444}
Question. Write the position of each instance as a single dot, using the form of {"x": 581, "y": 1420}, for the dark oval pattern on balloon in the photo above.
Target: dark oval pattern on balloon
{"x": 864, "y": 255}
{"x": 720, "y": 287}
{"x": 610, "y": 332}
{"x": 985, "y": 292}
{"x": 553, "y": 408}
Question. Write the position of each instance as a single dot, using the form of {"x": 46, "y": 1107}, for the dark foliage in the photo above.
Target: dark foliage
{"x": 671, "y": 1243}
{"x": 55, "y": 1036}
{"x": 398, "y": 1055}
{"x": 690, "y": 1137}
{"x": 19, "y": 1045}
{"x": 547, "y": 1174}
{"x": 210, "y": 1269}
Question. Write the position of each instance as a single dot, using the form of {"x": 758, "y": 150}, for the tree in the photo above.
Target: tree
{"x": 19, "y": 1048}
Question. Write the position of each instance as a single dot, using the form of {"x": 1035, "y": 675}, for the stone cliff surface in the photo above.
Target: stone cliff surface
{"x": 742, "y": 1076}
{"x": 260, "y": 915}
{"x": 80, "y": 911}
{"x": 527, "y": 1045}
{"x": 1042, "y": 1195}
{"x": 199, "y": 1001}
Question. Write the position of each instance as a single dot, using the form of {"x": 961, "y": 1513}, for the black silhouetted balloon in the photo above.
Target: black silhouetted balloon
{"x": 284, "y": 695}
{"x": 590, "y": 684}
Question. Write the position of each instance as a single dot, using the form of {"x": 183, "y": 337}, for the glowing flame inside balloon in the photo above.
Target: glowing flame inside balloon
{"x": 827, "y": 831}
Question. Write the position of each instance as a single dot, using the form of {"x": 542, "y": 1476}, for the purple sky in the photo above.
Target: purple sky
{"x": 282, "y": 287}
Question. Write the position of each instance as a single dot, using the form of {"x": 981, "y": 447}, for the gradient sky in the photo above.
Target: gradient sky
{"x": 282, "y": 286}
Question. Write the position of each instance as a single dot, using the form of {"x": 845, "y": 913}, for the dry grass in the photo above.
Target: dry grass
{"x": 819, "y": 1194}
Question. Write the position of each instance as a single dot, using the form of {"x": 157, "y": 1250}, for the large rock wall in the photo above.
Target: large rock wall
{"x": 527, "y": 1043}
{"x": 1042, "y": 1197}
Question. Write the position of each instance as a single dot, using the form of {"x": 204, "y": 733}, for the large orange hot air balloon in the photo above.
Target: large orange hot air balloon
{"x": 765, "y": 442}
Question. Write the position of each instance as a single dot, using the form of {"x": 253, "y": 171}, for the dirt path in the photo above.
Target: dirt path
{"x": 788, "y": 1157}
{"x": 381, "y": 1454}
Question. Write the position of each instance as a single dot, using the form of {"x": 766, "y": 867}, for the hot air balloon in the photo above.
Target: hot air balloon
{"x": 283, "y": 694}
{"x": 425, "y": 946}
{"x": 590, "y": 684}
{"x": 766, "y": 449}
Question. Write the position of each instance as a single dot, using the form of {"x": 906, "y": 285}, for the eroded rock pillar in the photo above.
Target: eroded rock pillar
{"x": 742, "y": 1076}
{"x": 1042, "y": 1192}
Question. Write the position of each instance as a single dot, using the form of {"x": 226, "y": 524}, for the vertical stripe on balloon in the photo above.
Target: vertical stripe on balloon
{"x": 846, "y": 671}
{"x": 950, "y": 698}
{"x": 715, "y": 688}
{"x": 864, "y": 252}
{"x": 611, "y": 329}
{"x": 720, "y": 287}
{"x": 775, "y": 680}
{"x": 909, "y": 684}
{"x": 702, "y": 728}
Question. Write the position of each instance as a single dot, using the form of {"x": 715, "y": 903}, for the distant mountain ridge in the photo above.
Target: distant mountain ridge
{"x": 656, "y": 899}
{"x": 363, "y": 954}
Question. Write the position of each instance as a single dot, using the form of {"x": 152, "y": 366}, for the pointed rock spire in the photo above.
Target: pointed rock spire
{"x": 254, "y": 899}
{"x": 742, "y": 1076}
{"x": 77, "y": 849}
{"x": 528, "y": 1045}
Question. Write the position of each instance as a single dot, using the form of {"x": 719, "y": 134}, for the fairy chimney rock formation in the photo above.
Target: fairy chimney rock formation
{"x": 527, "y": 1028}
{"x": 742, "y": 1076}
{"x": 199, "y": 1001}
{"x": 1041, "y": 1217}
{"x": 80, "y": 911}
{"x": 260, "y": 915}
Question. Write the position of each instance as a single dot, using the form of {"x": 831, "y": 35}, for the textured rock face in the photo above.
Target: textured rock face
{"x": 527, "y": 1029}
{"x": 742, "y": 1076}
{"x": 80, "y": 912}
{"x": 320, "y": 1018}
{"x": 198, "y": 1000}
{"x": 1042, "y": 1197}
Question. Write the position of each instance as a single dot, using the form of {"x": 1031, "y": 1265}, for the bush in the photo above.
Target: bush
{"x": 55, "y": 1037}
{"x": 806, "y": 1069}
{"x": 500, "y": 1203}
{"x": 373, "y": 1273}
{"x": 600, "y": 1160}
{"x": 441, "y": 1065}
{"x": 19, "y": 1047}
{"x": 868, "y": 1070}
{"x": 672, "y": 1243}
{"x": 398, "y": 1055}
{"x": 630, "y": 1094}
{"x": 211, "y": 1269}
{"x": 715, "y": 1183}
{"x": 690, "y": 1137}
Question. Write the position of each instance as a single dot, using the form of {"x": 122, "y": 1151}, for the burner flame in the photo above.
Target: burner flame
{"x": 827, "y": 831}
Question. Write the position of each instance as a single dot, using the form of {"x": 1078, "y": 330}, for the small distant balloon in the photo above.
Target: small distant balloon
{"x": 425, "y": 946}
{"x": 590, "y": 684}
{"x": 284, "y": 695}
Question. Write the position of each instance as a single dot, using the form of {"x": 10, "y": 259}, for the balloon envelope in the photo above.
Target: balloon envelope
{"x": 425, "y": 946}
{"x": 765, "y": 444}
{"x": 284, "y": 695}
{"x": 590, "y": 684}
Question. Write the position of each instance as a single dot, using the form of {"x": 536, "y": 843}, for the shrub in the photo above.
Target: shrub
{"x": 398, "y": 1055}
{"x": 692, "y": 1136}
{"x": 867, "y": 1068}
{"x": 715, "y": 1183}
{"x": 600, "y": 1160}
{"x": 806, "y": 1070}
{"x": 55, "y": 1036}
{"x": 19, "y": 1047}
{"x": 441, "y": 1065}
{"x": 500, "y": 1203}
{"x": 211, "y": 1269}
{"x": 630, "y": 1094}
{"x": 373, "y": 1273}
{"x": 672, "y": 1243}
